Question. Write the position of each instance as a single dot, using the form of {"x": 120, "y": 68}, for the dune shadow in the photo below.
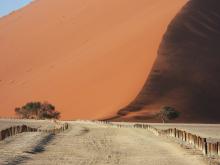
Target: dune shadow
{"x": 186, "y": 72}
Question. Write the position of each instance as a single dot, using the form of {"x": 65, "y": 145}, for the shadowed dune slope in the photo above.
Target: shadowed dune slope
{"x": 186, "y": 73}
{"x": 87, "y": 57}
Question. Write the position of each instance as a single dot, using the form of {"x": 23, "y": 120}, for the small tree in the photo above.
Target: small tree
{"x": 37, "y": 110}
{"x": 168, "y": 113}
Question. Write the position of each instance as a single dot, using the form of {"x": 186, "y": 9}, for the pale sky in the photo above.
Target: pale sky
{"x": 7, "y": 6}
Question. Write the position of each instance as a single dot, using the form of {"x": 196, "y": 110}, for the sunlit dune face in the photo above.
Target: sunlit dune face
{"x": 87, "y": 57}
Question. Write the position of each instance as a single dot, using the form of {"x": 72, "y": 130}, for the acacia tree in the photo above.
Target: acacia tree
{"x": 168, "y": 113}
{"x": 37, "y": 110}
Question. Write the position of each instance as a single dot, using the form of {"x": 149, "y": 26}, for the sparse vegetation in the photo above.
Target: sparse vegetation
{"x": 168, "y": 113}
{"x": 37, "y": 110}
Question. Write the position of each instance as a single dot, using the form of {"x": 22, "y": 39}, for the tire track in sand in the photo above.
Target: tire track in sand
{"x": 87, "y": 143}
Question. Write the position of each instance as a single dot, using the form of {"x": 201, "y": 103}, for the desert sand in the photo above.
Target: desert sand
{"x": 185, "y": 74}
{"x": 88, "y": 57}
{"x": 95, "y": 144}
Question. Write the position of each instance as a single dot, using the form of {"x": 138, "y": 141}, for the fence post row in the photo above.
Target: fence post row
{"x": 210, "y": 149}
{"x": 23, "y": 128}
{"x": 60, "y": 128}
{"x": 15, "y": 130}
{"x": 207, "y": 148}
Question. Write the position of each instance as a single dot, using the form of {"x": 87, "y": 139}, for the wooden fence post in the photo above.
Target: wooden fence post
{"x": 218, "y": 146}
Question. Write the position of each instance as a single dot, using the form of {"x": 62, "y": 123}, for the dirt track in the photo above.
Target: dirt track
{"x": 93, "y": 144}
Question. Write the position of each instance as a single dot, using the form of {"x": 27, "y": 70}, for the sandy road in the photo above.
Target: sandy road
{"x": 93, "y": 144}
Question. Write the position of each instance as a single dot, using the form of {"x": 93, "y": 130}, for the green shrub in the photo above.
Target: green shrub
{"x": 168, "y": 113}
{"x": 37, "y": 110}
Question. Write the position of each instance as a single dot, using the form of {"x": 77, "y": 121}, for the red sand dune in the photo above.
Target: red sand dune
{"x": 186, "y": 73}
{"x": 88, "y": 57}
